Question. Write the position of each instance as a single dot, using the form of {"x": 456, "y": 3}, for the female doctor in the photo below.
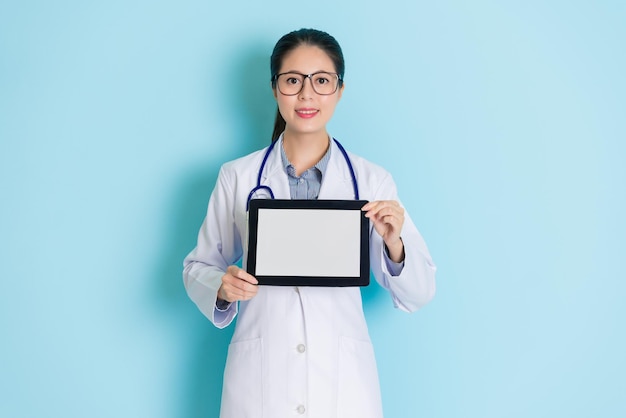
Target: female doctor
{"x": 303, "y": 351}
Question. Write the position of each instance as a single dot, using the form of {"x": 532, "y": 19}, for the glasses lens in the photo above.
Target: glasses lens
{"x": 324, "y": 83}
{"x": 291, "y": 84}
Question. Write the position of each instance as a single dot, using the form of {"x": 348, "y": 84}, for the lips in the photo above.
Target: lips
{"x": 307, "y": 113}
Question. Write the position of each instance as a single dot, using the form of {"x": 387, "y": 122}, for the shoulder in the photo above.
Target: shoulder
{"x": 368, "y": 169}
{"x": 372, "y": 178}
{"x": 359, "y": 163}
{"x": 240, "y": 172}
{"x": 242, "y": 163}
{"x": 242, "y": 168}
{"x": 366, "y": 165}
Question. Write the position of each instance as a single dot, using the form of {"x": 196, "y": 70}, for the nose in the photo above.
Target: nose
{"x": 307, "y": 89}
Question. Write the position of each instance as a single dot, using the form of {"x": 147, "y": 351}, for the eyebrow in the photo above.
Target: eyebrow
{"x": 303, "y": 73}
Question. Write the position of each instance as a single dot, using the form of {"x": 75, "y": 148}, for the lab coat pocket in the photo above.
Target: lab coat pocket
{"x": 358, "y": 392}
{"x": 242, "y": 395}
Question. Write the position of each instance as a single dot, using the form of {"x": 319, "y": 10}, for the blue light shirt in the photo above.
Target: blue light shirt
{"x": 307, "y": 185}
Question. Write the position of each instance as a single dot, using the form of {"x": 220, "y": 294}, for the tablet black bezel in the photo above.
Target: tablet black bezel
{"x": 330, "y": 281}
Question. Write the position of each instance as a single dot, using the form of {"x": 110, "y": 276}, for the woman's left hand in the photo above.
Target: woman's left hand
{"x": 388, "y": 218}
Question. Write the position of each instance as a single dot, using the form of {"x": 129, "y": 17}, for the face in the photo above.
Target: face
{"x": 307, "y": 112}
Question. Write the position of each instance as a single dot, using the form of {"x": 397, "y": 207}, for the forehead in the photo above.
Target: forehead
{"x": 307, "y": 59}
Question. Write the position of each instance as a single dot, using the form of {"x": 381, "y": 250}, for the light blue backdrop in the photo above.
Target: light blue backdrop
{"x": 503, "y": 124}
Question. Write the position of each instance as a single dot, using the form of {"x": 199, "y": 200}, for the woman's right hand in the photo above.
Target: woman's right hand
{"x": 237, "y": 284}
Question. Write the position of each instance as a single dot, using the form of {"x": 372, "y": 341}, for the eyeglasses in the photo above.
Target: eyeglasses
{"x": 322, "y": 82}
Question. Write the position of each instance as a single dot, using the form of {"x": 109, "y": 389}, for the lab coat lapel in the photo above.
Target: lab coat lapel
{"x": 337, "y": 182}
{"x": 274, "y": 174}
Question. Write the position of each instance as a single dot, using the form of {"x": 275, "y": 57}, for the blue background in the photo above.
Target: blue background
{"x": 503, "y": 124}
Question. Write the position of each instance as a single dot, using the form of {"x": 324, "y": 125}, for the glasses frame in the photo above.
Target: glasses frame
{"x": 309, "y": 76}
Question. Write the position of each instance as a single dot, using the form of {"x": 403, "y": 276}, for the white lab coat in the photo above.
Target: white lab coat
{"x": 300, "y": 352}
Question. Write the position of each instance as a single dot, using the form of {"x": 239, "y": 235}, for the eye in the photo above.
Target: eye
{"x": 290, "y": 79}
{"x": 322, "y": 79}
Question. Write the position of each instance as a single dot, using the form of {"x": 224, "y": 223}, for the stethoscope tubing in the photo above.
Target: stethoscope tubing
{"x": 258, "y": 186}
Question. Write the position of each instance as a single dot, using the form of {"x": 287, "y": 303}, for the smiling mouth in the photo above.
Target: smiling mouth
{"x": 307, "y": 113}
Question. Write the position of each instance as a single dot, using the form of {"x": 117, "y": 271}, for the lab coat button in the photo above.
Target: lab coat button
{"x": 300, "y": 409}
{"x": 301, "y": 348}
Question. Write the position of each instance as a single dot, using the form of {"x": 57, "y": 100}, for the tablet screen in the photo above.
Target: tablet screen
{"x": 308, "y": 242}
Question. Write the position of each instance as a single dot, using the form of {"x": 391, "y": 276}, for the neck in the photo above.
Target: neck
{"x": 304, "y": 151}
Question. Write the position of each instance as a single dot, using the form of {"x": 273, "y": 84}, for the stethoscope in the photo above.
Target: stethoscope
{"x": 259, "y": 186}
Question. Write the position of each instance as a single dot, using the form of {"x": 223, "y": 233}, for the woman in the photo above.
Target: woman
{"x": 303, "y": 351}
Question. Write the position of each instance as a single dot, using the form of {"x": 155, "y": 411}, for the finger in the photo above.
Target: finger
{"x": 376, "y": 208}
{"x": 245, "y": 292}
{"x": 386, "y": 212}
{"x": 240, "y": 287}
{"x": 235, "y": 289}
{"x": 237, "y": 284}
{"x": 389, "y": 226}
{"x": 372, "y": 206}
{"x": 398, "y": 212}
{"x": 367, "y": 206}
{"x": 250, "y": 292}
{"x": 390, "y": 220}
{"x": 242, "y": 274}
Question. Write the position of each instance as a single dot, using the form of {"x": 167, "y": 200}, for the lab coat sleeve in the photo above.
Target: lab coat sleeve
{"x": 414, "y": 287}
{"x": 219, "y": 246}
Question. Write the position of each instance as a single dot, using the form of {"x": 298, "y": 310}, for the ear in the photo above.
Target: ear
{"x": 274, "y": 92}
{"x": 340, "y": 92}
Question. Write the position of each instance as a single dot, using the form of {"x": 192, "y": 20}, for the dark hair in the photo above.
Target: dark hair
{"x": 291, "y": 41}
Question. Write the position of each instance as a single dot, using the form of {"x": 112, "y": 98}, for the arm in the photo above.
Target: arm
{"x": 219, "y": 246}
{"x": 394, "y": 238}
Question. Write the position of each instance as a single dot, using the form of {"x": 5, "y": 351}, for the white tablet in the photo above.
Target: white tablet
{"x": 308, "y": 242}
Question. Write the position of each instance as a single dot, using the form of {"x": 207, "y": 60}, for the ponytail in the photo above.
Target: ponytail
{"x": 279, "y": 126}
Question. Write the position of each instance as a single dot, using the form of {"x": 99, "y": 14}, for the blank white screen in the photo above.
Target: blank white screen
{"x": 308, "y": 242}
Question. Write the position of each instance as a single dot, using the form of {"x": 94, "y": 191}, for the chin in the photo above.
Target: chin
{"x": 307, "y": 128}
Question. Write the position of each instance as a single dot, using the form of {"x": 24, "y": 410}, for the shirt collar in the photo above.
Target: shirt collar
{"x": 321, "y": 165}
